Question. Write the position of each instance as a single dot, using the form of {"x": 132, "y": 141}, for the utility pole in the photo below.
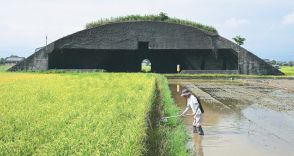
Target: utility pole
{"x": 46, "y": 42}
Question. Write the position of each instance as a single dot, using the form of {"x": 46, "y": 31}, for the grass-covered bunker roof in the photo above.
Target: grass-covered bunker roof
{"x": 162, "y": 17}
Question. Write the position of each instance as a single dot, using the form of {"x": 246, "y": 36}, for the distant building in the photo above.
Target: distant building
{"x": 277, "y": 67}
{"x": 13, "y": 59}
{"x": 267, "y": 60}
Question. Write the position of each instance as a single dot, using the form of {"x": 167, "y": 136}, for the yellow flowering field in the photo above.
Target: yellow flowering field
{"x": 74, "y": 114}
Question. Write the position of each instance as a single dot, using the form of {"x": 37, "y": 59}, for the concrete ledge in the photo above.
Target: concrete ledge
{"x": 77, "y": 70}
{"x": 209, "y": 72}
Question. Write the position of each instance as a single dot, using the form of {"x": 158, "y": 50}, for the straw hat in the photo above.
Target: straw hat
{"x": 185, "y": 92}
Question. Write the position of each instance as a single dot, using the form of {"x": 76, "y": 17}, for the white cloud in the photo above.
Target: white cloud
{"x": 235, "y": 23}
{"x": 288, "y": 19}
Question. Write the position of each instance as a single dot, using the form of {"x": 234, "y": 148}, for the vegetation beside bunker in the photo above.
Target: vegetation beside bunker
{"x": 4, "y": 68}
{"x": 175, "y": 135}
{"x": 162, "y": 17}
{"x": 226, "y": 76}
{"x": 165, "y": 139}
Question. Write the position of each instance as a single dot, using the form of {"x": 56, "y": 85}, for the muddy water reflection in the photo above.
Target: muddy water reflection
{"x": 231, "y": 133}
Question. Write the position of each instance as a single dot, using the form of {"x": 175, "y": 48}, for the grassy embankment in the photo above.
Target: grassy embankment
{"x": 227, "y": 76}
{"x": 3, "y": 68}
{"x": 160, "y": 17}
{"x": 174, "y": 131}
{"x": 84, "y": 114}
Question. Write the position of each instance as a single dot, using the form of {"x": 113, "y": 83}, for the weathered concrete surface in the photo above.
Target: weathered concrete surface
{"x": 126, "y": 36}
{"x": 248, "y": 63}
{"x": 192, "y": 48}
{"x": 36, "y": 62}
{"x": 209, "y": 72}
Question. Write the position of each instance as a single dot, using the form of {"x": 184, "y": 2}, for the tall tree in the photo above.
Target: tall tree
{"x": 163, "y": 16}
{"x": 2, "y": 60}
{"x": 273, "y": 62}
{"x": 239, "y": 40}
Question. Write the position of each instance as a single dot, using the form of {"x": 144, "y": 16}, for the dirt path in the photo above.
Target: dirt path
{"x": 259, "y": 120}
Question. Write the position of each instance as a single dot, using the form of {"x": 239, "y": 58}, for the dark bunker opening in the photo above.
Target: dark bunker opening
{"x": 163, "y": 60}
{"x": 146, "y": 65}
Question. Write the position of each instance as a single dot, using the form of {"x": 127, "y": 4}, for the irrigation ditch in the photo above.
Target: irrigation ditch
{"x": 168, "y": 138}
{"x": 155, "y": 142}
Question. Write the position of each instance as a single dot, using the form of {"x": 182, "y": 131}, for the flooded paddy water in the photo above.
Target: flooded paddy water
{"x": 240, "y": 118}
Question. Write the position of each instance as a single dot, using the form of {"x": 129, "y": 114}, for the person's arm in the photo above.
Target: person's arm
{"x": 185, "y": 111}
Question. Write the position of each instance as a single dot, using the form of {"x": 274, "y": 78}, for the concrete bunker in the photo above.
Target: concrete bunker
{"x": 121, "y": 47}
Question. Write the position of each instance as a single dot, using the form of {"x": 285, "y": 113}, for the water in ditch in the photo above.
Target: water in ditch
{"x": 253, "y": 131}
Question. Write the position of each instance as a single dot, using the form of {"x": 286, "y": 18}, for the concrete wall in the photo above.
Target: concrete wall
{"x": 126, "y": 36}
{"x": 247, "y": 61}
{"x": 35, "y": 62}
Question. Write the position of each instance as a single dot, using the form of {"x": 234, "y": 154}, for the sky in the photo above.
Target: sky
{"x": 267, "y": 25}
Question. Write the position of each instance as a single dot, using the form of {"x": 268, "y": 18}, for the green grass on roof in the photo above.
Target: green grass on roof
{"x": 162, "y": 17}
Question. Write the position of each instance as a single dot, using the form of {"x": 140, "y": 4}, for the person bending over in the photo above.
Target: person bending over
{"x": 197, "y": 109}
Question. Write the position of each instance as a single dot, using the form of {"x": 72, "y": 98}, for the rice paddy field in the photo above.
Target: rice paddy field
{"x": 74, "y": 114}
{"x": 288, "y": 70}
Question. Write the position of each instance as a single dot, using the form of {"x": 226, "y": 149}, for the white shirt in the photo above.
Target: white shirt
{"x": 194, "y": 104}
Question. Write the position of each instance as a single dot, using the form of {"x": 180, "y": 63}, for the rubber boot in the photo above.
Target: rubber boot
{"x": 200, "y": 131}
{"x": 194, "y": 129}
